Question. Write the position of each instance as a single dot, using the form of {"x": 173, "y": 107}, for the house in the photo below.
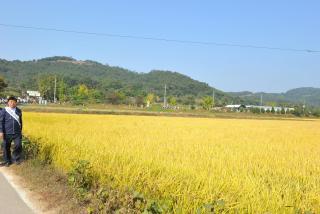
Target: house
{"x": 237, "y": 107}
{"x": 34, "y": 97}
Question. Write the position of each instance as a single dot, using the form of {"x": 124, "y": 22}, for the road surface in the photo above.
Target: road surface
{"x": 10, "y": 201}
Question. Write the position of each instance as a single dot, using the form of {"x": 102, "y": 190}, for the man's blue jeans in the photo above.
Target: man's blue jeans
{"x": 17, "y": 149}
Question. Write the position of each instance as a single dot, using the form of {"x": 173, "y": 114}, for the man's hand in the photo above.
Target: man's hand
{"x": 1, "y": 135}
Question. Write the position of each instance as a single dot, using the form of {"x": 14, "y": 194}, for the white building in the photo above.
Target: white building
{"x": 265, "y": 108}
{"x": 33, "y": 93}
{"x": 35, "y": 97}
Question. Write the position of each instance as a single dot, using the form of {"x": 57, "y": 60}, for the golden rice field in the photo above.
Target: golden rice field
{"x": 252, "y": 166}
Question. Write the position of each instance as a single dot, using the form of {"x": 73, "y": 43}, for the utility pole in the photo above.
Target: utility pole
{"x": 260, "y": 102}
{"x": 212, "y": 98}
{"x": 165, "y": 96}
{"x": 55, "y": 89}
{"x": 304, "y": 102}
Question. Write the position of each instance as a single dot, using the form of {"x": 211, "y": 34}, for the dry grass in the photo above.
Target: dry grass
{"x": 49, "y": 188}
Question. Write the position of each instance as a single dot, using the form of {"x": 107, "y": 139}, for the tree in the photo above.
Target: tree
{"x": 316, "y": 112}
{"x": 62, "y": 90}
{"x": 298, "y": 111}
{"x": 80, "y": 94}
{"x": 189, "y": 100}
{"x": 116, "y": 97}
{"x": 150, "y": 99}
{"x": 83, "y": 91}
{"x": 46, "y": 86}
{"x": 3, "y": 84}
{"x": 207, "y": 102}
{"x": 95, "y": 96}
{"x": 172, "y": 101}
{"x": 255, "y": 110}
{"x": 139, "y": 101}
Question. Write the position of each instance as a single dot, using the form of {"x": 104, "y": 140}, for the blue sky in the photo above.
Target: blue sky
{"x": 286, "y": 24}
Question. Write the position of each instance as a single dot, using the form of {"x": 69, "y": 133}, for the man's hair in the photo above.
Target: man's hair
{"x": 12, "y": 98}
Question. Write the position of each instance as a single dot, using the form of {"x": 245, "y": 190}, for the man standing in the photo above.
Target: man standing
{"x": 11, "y": 130}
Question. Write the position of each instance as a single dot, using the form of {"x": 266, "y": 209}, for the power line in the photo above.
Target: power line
{"x": 162, "y": 39}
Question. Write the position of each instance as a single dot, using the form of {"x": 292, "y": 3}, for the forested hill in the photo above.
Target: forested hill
{"x": 304, "y": 95}
{"x": 23, "y": 75}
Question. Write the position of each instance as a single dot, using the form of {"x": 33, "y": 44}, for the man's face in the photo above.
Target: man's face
{"x": 12, "y": 103}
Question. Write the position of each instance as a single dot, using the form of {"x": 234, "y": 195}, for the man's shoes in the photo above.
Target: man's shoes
{"x": 6, "y": 164}
{"x": 18, "y": 162}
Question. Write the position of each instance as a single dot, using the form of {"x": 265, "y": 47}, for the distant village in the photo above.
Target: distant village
{"x": 240, "y": 107}
{"x": 34, "y": 97}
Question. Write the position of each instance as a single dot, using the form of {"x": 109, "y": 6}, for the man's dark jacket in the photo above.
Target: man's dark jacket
{"x": 8, "y": 125}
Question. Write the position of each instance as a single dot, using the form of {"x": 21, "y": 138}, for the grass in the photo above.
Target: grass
{"x": 56, "y": 195}
{"x": 50, "y": 186}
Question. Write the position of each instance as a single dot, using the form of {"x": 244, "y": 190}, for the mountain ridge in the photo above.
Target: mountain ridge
{"x": 25, "y": 74}
{"x": 301, "y": 95}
